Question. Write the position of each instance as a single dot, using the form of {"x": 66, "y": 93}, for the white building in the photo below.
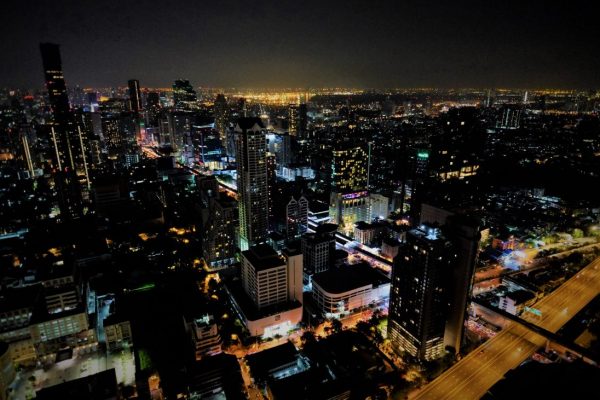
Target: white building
{"x": 379, "y": 206}
{"x": 270, "y": 302}
{"x": 515, "y": 302}
{"x": 342, "y": 291}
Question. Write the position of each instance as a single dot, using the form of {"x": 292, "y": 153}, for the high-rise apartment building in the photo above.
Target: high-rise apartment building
{"x": 419, "y": 293}
{"x": 349, "y": 199}
{"x": 296, "y": 217}
{"x": 252, "y": 178}
{"x": 184, "y": 95}
{"x": 318, "y": 249}
{"x": 135, "y": 95}
{"x": 221, "y": 117}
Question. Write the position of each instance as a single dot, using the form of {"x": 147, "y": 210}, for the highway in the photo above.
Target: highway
{"x": 471, "y": 377}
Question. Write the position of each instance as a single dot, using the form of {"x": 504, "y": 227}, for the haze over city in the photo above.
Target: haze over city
{"x": 365, "y": 44}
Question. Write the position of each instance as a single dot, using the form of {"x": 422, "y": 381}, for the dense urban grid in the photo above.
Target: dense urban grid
{"x": 333, "y": 243}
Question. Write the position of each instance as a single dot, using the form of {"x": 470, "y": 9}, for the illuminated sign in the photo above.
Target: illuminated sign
{"x": 534, "y": 311}
{"x": 355, "y": 195}
{"x": 423, "y": 155}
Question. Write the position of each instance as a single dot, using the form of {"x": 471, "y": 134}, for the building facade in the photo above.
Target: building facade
{"x": 252, "y": 178}
{"x": 418, "y": 300}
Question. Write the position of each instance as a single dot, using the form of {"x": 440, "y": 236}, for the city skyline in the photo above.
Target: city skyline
{"x": 310, "y": 45}
{"x": 190, "y": 241}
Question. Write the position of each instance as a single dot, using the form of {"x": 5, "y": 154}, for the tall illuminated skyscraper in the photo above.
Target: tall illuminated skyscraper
{"x": 135, "y": 96}
{"x": 349, "y": 199}
{"x": 184, "y": 95}
{"x": 221, "y": 117}
{"x": 419, "y": 293}
{"x": 293, "y": 119}
{"x": 69, "y": 161}
{"x": 252, "y": 177}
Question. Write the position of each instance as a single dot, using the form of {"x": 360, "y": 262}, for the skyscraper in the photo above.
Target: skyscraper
{"x": 219, "y": 223}
{"x": 221, "y": 117}
{"x": 69, "y": 161}
{"x": 184, "y": 95}
{"x": 464, "y": 233}
{"x": 302, "y": 121}
{"x": 135, "y": 96}
{"x": 296, "y": 217}
{"x": 349, "y": 199}
{"x": 318, "y": 249}
{"x": 293, "y": 119}
{"x": 419, "y": 295}
{"x": 251, "y": 157}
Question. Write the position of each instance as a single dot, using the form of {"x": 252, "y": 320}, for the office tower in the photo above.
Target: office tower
{"x": 184, "y": 95}
{"x": 180, "y": 127}
{"x": 269, "y": 300}
{"x": 114, "y": 139}
{"x": 464, "y": 232}
{"x": 220, "y": 223}
{"x": 221, "y": 117}
{"x": 379, "y": 206}
{"x": 67, "y": 139}
{"x": 318, "y": 248}
{"x": 296, "y": 221}
{"x": 153, "y": 100}
{"x": 511, "y": 118}
{"x": 302, "y": 121}
{"x": 349, "y": 169}
{"x": 252, "y": 178}
{"x": 152, "y": 109}
{"x": 77, "y": 97}
{"x": 270, "y": 279}
{"x": 293, "y": 119}
{"x": 281, "y": 146}
{"x": 457, "y": 149}
{"x": 349, "y": 199}
{"x": 419, "y": 295}
{"x": 419, "y": 180}
{"x": 135, "y": 96}
{"x": 271, "y": 182}
{"x": 242, "y": 107}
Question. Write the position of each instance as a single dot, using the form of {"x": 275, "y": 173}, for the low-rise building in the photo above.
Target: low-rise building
{"x": 276, "y": 363}
{"x": 204, "y": 335}
{"x": 515, "y": 302}
{"x": 344, "y": 290}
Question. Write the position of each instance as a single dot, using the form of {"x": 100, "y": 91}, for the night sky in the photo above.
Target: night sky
{"x": 305, "y": 43}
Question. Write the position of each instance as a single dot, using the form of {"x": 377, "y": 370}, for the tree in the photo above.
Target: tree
{"x": 336, "y": 325}
{"x": 363, "y": 327}
{"x": 308, "y": 337}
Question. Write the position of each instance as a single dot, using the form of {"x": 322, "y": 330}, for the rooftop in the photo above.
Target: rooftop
{"x": 520, "y": 296}
{"x": 346, "y": 278}
{"x": 247, "y": 123}
{"x": 264, "y": 361}
{"x": 262, "y": 256}
{"x": 100, "y": 386}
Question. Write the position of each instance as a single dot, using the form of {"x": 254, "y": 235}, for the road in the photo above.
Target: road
{"x": 471, "y": 377}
